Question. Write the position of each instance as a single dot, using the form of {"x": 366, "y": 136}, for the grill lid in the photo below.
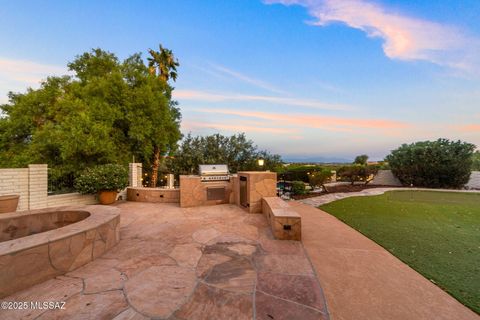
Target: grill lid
{"x": 213, "y": 169}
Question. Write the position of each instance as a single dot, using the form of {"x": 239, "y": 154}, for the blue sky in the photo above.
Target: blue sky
{"x": 302, "y": 78}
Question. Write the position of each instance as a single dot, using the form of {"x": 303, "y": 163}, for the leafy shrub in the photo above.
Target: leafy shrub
{"x": 356, "y": 172}
{"x": 319, "y": 178}
{"x": 476, "y": 161}
{"x": 300, "y": 172}
{"x": 298, "y": 187}
{"x": 434, "y": 164}
{"x": 103, "y": 177}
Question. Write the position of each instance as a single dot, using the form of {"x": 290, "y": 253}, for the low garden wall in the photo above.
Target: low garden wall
{"x": 31, "y": 184}
{"x": 386, "y": 178}
{"x": 69, "y": 199}
{"x": 474, "y": 182}
{"x": 161, "y": 195}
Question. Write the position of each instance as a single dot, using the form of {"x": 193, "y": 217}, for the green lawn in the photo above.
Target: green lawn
{"x": 436, "y": 233}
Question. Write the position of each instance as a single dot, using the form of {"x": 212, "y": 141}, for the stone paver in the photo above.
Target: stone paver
{"x": 362, "y": 280}
{"x": 158, "y": 291}
{"x": 215, "y": 262}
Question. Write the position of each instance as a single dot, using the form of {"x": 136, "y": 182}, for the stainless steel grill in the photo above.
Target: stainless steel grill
{"x": 213, "y": 172}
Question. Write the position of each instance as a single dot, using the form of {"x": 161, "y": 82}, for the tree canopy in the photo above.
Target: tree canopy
{"x": 238, "y": 152}
{"x": 361, "y": 159}
{"x": 107, "y": 111}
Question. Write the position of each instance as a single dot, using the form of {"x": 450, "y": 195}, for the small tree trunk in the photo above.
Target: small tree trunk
{"x": 325, "y": 188}
{"x": 155, "y": 166}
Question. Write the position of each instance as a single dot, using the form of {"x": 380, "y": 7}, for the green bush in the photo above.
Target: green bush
{"x": 476, "y": 161}
{"x": 298, "y": 172}
{"x": 356, "y": 172}
{"x": 104, "y": 177}
{"x": 434, "y": 164}
{"x": 298, "y": 187}
{"x": 319, "y": 178}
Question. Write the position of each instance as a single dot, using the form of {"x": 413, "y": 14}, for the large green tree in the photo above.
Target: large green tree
{"x": 238, "y": 152}
{"x": 107, "y": 111}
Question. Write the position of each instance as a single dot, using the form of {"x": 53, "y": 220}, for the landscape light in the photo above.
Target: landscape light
{"x": 261, "y": 162}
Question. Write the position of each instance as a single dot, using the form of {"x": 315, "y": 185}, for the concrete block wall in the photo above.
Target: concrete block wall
{"x": 135, "y": 175}
{"x": 37, "y": 186}
{"x": 386, "y": 178}
{"x": 32, "y": 185}
{"x": 15, "y": 181}
{"x": 474, "y": 182}
{"x": 70, "y": 199}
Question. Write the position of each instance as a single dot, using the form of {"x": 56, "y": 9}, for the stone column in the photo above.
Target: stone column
{"x": 134, "y": 174}
{"x": 37, "y": 186}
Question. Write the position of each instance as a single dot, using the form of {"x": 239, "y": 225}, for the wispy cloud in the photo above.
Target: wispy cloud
{"x": 218, "y": 97}
{"x": 405, "y": 37}
{"x": 247, "y": 79}
{"x": 328, "y": 87}
{"x": 29, "y": 72}
{"x": 314, "y": 121}
{"x": 17, "y": 75}
{"x": 241, "y": 127}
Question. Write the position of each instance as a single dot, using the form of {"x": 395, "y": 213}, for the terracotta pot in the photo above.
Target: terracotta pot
{"x": 9, "y": 203}
{"x": 107, "y": 196}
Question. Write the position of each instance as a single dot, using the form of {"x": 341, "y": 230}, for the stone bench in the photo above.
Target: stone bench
{"x": 286, "y": 224}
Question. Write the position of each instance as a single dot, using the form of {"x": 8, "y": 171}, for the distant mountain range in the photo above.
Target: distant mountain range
{"x": 313, "y": 159}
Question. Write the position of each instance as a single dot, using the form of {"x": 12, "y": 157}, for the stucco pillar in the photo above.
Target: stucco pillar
{"x": 37, "y": 186}
{"x": 134, "y": 174}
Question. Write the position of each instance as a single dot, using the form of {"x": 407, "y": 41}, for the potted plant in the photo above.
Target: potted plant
{"x": 9, "y": 203}
{"x": 105, "y": 180}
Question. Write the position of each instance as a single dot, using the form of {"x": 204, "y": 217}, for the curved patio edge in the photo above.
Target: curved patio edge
{"x": 330, "y": 197}
{"x": 361, "y": 280}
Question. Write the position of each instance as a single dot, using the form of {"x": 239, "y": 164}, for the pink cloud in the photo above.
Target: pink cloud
{"x": 242, "y": 127}
{"x": 405, "y": 37}
{"x": 470, "y": 128}
{"x": 314, "y": 121}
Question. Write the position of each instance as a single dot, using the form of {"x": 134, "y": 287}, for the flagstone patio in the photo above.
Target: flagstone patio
{"x": 215, "y": 262}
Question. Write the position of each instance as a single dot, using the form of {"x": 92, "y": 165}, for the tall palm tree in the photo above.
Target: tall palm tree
{"x": 163, "y": 65}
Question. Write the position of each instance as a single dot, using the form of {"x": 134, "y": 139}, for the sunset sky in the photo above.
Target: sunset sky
{"x": 302, "y": 78}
